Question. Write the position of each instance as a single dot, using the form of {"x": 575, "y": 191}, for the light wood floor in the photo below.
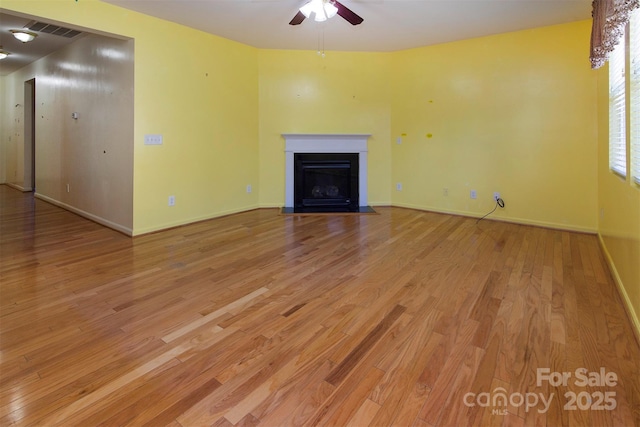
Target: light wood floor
{"x": 264, "y": 319}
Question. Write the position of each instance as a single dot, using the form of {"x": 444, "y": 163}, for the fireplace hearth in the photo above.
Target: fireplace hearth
{"x": 326, "y": 182}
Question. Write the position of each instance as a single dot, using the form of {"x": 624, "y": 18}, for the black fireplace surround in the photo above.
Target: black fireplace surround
{"x": 326, "y": 182}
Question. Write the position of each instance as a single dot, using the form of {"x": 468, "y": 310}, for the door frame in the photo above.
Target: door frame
{"x": 30, "y": 135}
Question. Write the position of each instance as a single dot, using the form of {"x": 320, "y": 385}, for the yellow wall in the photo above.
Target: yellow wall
{"x": 202, "y": 96}
{"x": 619, "y": 213}
{"x": 519, "y": 113}
{"x": 343, "y": 92}
{"x": 513, "y": 113}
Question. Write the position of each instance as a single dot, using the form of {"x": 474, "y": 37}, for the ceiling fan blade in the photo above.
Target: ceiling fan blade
{"x": 348, "y": 14}
{"x": 297, "y": 20}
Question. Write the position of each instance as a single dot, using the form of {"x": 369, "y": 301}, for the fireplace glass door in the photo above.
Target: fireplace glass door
{"x": 326, "y": 181}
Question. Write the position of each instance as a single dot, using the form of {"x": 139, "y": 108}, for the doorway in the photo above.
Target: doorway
{"x": 30, "y": 135}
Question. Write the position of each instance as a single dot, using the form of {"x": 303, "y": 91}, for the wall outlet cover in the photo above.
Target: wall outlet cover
{"x": 153, "y": 139}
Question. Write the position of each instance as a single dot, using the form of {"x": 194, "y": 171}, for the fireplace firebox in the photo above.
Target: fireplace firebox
{"x": 326, "y": 182}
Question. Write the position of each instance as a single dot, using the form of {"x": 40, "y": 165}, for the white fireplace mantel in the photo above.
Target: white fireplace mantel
{"x": 325, "y": 143}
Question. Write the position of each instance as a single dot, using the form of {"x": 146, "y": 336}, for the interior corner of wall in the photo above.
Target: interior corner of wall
{"x": 626, "y": 301}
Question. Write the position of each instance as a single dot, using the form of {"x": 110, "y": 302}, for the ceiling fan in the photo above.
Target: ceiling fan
{"x": 323, "y": 10}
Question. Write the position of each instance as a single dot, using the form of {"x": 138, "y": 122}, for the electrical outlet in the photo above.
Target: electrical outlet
{"x": 249, "y": 188}
{"x": 399, "y": 186}
{"x": 496, "y": 196}
{"x": 473, "y": 194}
{"x": 172, "y": 200}
{"x": 399, "y": 140}
{"x": 445, "y": 191}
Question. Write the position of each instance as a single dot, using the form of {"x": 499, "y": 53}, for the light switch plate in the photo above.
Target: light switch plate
{"x": 153, "y": 139}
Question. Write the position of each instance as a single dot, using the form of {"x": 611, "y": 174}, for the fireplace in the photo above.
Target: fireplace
{"x": 326, "y": 182}
{"x": 328, "y": 152}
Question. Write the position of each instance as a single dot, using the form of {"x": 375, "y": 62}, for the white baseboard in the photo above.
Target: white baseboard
{"x": 626, "y": 301}
{"x": 122, "y": 229}
{"x": 166, "y": 226}
{"x": 19, "y": 187}
{"x": 520, "y": 221}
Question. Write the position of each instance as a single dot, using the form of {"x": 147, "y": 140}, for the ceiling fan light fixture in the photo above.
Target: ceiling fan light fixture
{"x": 330, "y": 9}
{"x": 23, "y": 35}
{"x": 321, "y": 9}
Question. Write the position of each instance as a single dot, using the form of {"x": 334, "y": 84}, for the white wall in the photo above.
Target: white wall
{"x": 4, "y": 132}
{"x": 93, "y": 155}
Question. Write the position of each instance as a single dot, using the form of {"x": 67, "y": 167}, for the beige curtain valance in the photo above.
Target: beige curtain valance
{"x": 609, "y": 20}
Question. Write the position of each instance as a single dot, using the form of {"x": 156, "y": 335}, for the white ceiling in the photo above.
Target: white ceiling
{"x": 22, "y": 54}
{"x": 389, "y": 25}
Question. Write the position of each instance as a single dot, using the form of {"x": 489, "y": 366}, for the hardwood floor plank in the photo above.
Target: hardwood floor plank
{"x": 401, "y": 393}
{"x": 257, "y": 318}
{"x": 365, "y": 415}
{"x": 281, "y": 355}
{"x": 342, "y": 370}
{"x": 135, "y": 413}
{"x": 486, "y": 371}
{"x": 212, "y": 316}
{"x": 260, "y": 393}
{"x": 99, "y": 395}
{"x": 286, "y": 402}
{"x": 354, "y": 399}
{"x": 455, "y": 410}
{"x": 317, "y": 395}
{"x": 443, "y": 386}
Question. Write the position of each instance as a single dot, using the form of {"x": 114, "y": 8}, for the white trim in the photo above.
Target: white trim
{"x": 180, "y": 223}
{"x": 18, "y": 187}
{"x": 519, "y": 221}
{"x": 125, "y": 230}
{"x": 618, "y": 111}
{"x": 628, "y": 305}
{"x": 325, "y": 143}
{"x": 634, "y": 94}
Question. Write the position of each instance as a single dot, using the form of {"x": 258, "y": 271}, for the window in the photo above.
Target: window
{"x": 624, "y": 102}
{"x": 617, "y": 111}
{"x": 634, "y": 104}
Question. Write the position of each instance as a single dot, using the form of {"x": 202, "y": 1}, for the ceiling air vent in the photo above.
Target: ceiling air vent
{"x": 56, "y": 30}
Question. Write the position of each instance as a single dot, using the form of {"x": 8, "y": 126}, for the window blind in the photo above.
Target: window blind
{"x": 634, "y": 96}
{"x": 617, "y": 111}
